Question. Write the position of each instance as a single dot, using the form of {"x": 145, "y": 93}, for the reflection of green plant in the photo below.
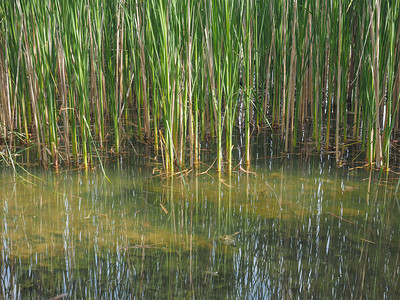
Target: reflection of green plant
{"x": 77, "y": 228}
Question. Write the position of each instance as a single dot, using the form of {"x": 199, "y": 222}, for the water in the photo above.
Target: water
{"x": 300, "y": 228}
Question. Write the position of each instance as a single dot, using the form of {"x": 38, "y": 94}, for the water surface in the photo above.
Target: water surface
{"x": 299, "y": 228}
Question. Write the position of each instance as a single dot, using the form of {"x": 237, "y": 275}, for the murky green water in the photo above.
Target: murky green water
{"x": 296, "y": 230}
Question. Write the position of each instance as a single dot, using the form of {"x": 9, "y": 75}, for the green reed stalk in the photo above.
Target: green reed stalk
{"x": 248, "y": 73}
{"x": 198, "y": 94}
{"x": 375, "y": 42}
{"x": 214, "y": 75}
{"x": 189, "y": 80}
{"x": 231, "y": 65}
{"x": 97, "y": 67}
{"x": 141, "y": 41}
{"x": 166, "y": 98}
{"x": 388, "y": 52}
{"x": 338, "y": 83}
{"x": 268, "y": 71}
{"x": 117, "y": 107}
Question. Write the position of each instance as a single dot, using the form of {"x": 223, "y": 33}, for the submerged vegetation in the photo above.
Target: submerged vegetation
{"x": 76, "y": 75}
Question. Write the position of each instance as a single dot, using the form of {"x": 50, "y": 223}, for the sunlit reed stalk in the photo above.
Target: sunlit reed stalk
{"x": 248, "y": 27}
{"x": 214, "y": 79}
{"x": 189, "y": 91}
{"x": 231, "y": 65}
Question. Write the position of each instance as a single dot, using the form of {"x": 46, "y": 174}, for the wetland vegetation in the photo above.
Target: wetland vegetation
{"x": 86, "y": 78}
{"x": 272, "y": 117}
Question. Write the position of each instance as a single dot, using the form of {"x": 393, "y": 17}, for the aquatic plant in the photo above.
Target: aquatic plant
{"x": 174, "y": 73}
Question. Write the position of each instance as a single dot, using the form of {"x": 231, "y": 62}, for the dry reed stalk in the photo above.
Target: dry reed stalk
{"x": 8, "y": 116}
{"x": 285, "y": 20}
{"x": 268, "y": 72}
{"x": 33, "y": 92}
{"x": 291, "y": 92}
{"x": 140, "y": 37}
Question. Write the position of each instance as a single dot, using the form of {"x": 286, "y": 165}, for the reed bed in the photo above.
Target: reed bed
{"x": 75, "y": 76}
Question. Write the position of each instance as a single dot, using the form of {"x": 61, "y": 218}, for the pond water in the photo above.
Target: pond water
{"x": 299, "y": 228}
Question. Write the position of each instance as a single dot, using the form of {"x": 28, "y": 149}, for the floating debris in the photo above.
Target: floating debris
{"x": 228, "y": 239}
{"x": 212, "y": 273}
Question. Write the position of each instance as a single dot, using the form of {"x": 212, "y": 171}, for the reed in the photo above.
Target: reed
{"x": 82, "y": 76}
